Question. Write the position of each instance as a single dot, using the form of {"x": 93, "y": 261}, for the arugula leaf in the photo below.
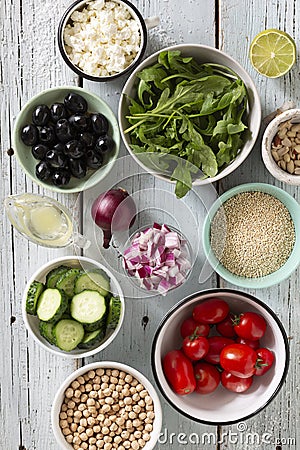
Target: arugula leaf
{"x": 186, "y": 111}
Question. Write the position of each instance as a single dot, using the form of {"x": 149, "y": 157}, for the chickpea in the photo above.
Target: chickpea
{"x": 139, "y": 387}
{"x": 141, "y": 442}
{"x": 121, "y": 382}
{"x": 126, "y": 444}
{"x": 134, "y": 382}
{"x": 107, "y": 422}
{"x": 113, "y": 379}
{"x": 97, "y": 379}
{"x": 69, "y": 393}
{"x": 115, "y": 408}
{"x": 121, "y": 447}
{"x": 76, "y": 440}
{"x": 136, "y": 409}
{"x": 63, "y": 424}
{"x": 92, "y": 447}
{"x": 107, "y": 446}
{"x": 80, "y": 429}
{"x": 88, "y": 387}
{"x": 146, "y": 437}
{"x": 69, "y": 438}
{"x": 150, "y": 414}
{"x": 109, "y": 400}
{"x": 64, "y": 408}
{"x": 135, "y": 445}
{"x": 149, "y": 407}
{"x": 141, "y": 403}
{"x": 83, "y": 422}
{"x": 132, "y": 390}
{"x": 100, "y": 372}
{"x": 82, "y": 388}
{"x": 86, "y": 377}
{"x": 108, "y": 372}
{"x": 104, "y": 386}
{"x": 125, "y": 434}
{"x": 86, "y": 413}
{"x": 107, "y": 392}
{"x": 91, "y": 421}
{"x": 77, "y": 393}
{"x": 96, "y": 387}
{"x": 93, "y": 395}
{"x": 137, "y": 434}
{"x": 75, "y": 384}
{"x": 71, "y": 404}
{"x": 100, "y": 443}
{"x": 83, "y": 436}
{"x": 84, "y": 445}
{"x": 148, "y": 427}
{"x": 105, "y": 430}
{"x": 83, "y": 398}
{"x": 70, "y": 412}
{"x": 63, "y": 415}
{"x": 66, "y": 431}
{"x": 142, "y": 416}
{"x": 105, "y": 379}
{"x": 91, "y": 374}
{"x": 136, "y": 423}
{"x": 106, "y": 408}
{"x": 96, "y": 429}
{"x": 73, "y": 427}
{"x": 81, "y": 407}
{"x": 136, "y": 397}
{"x": 80, "y": 380}
{"x": 69, "y": 419}
{"x": 143, "y": 393}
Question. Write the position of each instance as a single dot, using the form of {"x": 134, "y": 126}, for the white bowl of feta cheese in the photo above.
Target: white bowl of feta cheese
{"x": 102, "y": 39}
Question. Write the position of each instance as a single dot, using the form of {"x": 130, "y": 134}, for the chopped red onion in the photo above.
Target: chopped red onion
{"x": 158, "y": 257}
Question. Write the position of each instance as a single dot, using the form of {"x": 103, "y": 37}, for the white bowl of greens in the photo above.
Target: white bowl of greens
{"x": 73, "y": 306}
{"x": 189, "y": 114}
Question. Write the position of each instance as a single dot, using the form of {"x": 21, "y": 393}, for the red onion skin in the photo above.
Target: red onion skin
{"x": 114, "y": 207}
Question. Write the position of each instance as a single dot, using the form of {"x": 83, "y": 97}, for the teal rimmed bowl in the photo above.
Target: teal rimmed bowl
{"x": 28, "y": 162}
{"x": 292, "y": 262}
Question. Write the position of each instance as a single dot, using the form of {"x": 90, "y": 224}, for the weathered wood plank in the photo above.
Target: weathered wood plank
{"x": 281, "y": 418}
{"x": 179, "y": 24}
{"x": 29, "y": 63}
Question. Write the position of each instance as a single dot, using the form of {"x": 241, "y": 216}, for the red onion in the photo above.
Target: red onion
{"x": 113, "y": 210}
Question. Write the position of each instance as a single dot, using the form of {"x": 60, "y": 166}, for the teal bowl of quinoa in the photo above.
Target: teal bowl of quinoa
{"x": 251, "y": 235}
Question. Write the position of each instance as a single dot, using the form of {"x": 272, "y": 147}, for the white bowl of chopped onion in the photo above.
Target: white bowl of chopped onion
{"x": 157, "y": 258}
{"x": 95, "y": 397}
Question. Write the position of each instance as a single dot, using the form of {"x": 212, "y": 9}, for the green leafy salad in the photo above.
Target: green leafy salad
{"x": 186, "y": 118}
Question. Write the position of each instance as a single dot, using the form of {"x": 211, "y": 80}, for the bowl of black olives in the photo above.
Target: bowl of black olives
{"x": 66, "y": 139}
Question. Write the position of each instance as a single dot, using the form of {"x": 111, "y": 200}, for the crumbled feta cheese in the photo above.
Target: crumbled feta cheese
{"x": 103, "y": 39}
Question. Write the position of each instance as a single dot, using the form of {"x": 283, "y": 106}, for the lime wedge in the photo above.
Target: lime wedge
{"x": 272, "y": 53}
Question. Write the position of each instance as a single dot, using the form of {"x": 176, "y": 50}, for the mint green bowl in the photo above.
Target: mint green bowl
{"x": 275, "y": 277}
{"x": 28, "y": 162}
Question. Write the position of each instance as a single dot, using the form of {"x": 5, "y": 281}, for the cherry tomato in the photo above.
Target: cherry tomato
{"x": 216, "y": 345}
{"x": 207, "y": 378}
{"x": 211, "y": 311}
{"x": 234, "y": 383}
{"x": 226, "y": 327}
{"x": 179, "y": 372}
{"x": 189, "y": 327}
{"x": 238, "y": 359}
{"x": 195, "y": 347}
{"x": 251, "y": 326}
{"x": 253, "y": 344}
{"x": 264, "y": 362}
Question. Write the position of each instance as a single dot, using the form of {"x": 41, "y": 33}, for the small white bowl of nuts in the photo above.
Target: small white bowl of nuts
{"x": 106, "y": 405}
{"x": 281, "y": 147}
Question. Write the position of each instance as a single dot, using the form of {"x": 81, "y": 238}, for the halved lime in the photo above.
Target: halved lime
{"x": 273, "y": 53}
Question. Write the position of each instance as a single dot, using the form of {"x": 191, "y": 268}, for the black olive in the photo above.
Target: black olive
{"x": 56, "y": 159}
{"x": 80, "y": 121}
{"x": 61, "y": 177}
{"x": 78, "y": 167}
{"x": 47, "y": 135}
{"x": 74, "y": 149}
{"x": 58, "y": 111}
{"x": 99, "y": 124}
{"x": 41, "y": 115}
{"x": 30, "y": 134}
{"x": 94, "y": 160}
{"x": 87, "y": 139}
{"x": 43, "y": 171}
{"x": 64, "y": 131}
{"x": 75, "y": 103}
{"x": 39, "y": 151}
{"x": 104, "y": 144}
{"x": 59, "y": 147}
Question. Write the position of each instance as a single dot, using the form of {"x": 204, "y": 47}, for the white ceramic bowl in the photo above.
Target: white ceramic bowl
{"x": 202, "y": 54}
{"x": 32, "y": 322}
{"x": 222, "y": 406}
{"x": 266, "y": 145}
{"x": 57, "y": 402}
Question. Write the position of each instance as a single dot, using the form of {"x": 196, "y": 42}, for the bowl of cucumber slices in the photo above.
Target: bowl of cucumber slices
{"x": 73, "y": 306}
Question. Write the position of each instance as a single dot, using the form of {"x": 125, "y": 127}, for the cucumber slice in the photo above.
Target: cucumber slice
{"x": 93, "y": 281}
{"x": 46, "y": 330}
{"x": 68, "y": 334}
{"x": 34, "y": 291}
{"x": 54, "y": 275}
{"x": 51, "y": 305}
{"x": 66, "y": 281}
{"x": 93, "y": 338}
{"x": 114, "y": 312}
{"x": 89, "y": 308}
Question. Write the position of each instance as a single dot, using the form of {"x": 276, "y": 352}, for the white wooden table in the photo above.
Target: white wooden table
{"x": 29, "y": 63}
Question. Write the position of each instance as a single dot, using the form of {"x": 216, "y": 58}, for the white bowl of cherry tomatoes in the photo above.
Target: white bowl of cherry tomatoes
{"x": 220, "y": 356}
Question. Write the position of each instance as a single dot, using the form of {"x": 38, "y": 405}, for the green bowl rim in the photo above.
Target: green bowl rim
{"x": 52, "y": 187}
{"x": 257, "y": 283}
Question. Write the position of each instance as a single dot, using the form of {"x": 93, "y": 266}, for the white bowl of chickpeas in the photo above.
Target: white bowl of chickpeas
{"x": 106, "y": 405}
